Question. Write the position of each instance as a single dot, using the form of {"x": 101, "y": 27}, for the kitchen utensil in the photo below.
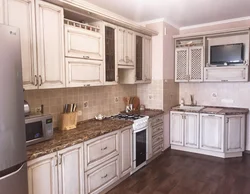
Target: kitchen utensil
{"x": 99, "y": 117}
{"x": 26, "y": 108}
{"x": 136, "y": 103}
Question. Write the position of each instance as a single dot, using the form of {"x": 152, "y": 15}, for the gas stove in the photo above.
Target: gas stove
{"x": 130, "y": 117}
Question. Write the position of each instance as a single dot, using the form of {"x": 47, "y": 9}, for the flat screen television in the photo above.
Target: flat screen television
{"x": 227, "y": 54}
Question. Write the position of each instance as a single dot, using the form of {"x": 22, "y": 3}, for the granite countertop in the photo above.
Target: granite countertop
{"x": 85, "y": 130}
{"x": 214, "y": 110}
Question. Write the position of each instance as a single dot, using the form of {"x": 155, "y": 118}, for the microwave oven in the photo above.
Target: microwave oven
{"x": 38, "y": 128}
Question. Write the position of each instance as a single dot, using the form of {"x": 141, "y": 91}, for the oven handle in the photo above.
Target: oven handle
{"x": 139, "y": 130}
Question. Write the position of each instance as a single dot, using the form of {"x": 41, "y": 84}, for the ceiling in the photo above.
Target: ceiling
{"x": 179, "y": 13}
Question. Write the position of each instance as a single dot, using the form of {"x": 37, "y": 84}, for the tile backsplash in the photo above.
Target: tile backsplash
{"x": 97, "y": 99}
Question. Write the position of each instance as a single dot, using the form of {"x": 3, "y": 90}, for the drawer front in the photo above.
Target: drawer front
{"x": 157, "y": 139}
{"x": 157, "y": 148}
{"x": 157, "y": 120}
{"x": 102, "y": 176}
{"x": 157, "y": 129}
{"x": 100, "y": 149}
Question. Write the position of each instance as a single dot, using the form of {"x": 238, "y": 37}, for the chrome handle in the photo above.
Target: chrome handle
{"x": 85, "y": 57}
{"x": 36, "y": 81}
{"x": 104, "y": 176}
{"x": 56, "y": 161}
{"x": 86, "y": 85}
{"x": 60, "y": 161}
{"x": 211, "y": 115}
{"x": 104, "y": 148}
{"x": 41, "y": 80}
{"x": 224, "y": 80}
{"x": 227, "y": 120}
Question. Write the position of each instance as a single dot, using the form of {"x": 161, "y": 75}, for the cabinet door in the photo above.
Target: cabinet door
{"x": 181, "y": 65}
{"x": 235, "y": 133}
{"x": 50, "y": 47}
{"x": 84, "y": 44}
{"x": 147, "y": 59}
{"x": 125, "y": 151}
{"x": 42, "y": 175}
{"x": 176, "y": 128}
{"x": 130, "y": 48}
{"x": 3, "y": 11}
{"x": 21, "y": 13}
{"x": 212, "y": 132}
{"x": 80, "y": 72}
{"x": 191, "y": 129}
{"x": 71, "y": 170}
{"x": 111, "y": 71}
{"x": 139, "y": 58}
{"x": 150, "y": 143}
{"x": 196, "y": 64}
{"x": 121, "y": 45}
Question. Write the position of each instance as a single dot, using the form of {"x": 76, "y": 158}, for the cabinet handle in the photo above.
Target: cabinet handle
{"x": 104, "y": 148}
{"x": 104, "y": 176}
{"x": 56, "y": 161}
{"x": 85, "y": 57}
{"x": 211, "y": 115}
{"x": 227, "y": 120}
{"x": 60, "y": 162}
{"x": 86, "y": 85}
{"x": 36, "y": 81}
{"x": 41, "y": 80}
{"x": 224, "y": 80}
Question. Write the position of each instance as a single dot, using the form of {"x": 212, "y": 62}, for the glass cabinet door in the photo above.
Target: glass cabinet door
{"x": 110, "y": 53}
{"x": 139, "y": 58}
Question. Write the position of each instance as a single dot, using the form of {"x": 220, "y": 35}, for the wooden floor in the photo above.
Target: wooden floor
{"x": 176, "y": 172}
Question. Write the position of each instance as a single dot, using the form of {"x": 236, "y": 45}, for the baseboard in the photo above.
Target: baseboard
{"x": 246, "y": 152}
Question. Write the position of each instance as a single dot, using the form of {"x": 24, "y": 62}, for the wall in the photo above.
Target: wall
{"x": 99, "y": 99}
{"x": 237, "y": 93}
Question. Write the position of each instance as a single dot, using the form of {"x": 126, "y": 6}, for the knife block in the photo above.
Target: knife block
{"x": 69, "y": 121}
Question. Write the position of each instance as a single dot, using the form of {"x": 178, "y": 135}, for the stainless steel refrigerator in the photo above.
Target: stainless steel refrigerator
{"x": 13, "y": 167}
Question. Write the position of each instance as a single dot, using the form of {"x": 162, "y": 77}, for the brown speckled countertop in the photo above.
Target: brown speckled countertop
{"x": 214, "y": 110}
{"x": 85, "y": 130}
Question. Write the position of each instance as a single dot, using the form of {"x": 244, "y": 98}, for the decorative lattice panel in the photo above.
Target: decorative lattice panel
{"x": 196, "y": 61}
{"x": 181, "y": 64}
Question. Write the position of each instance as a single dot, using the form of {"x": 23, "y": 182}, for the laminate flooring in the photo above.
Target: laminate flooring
{"x": 176, "y": 172}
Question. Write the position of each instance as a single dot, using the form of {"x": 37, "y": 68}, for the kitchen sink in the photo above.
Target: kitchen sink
{"x": 185, "y": 107}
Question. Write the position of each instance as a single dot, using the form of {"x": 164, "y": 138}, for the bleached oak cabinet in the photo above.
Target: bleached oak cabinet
{"x": 210, "y": 134}
{"x": 41, "y": 27}
{"x": 57, "y": 173}
{"x": 189, "y": 64}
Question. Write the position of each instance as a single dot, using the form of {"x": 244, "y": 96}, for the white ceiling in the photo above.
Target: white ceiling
{"x": 179, "y": 13}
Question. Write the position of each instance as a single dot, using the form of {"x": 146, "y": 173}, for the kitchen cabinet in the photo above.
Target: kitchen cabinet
{"x": 2, "y": 11}
{"x": 176, "y": 128}
{"x": 82, "y": 43}
{"x": 50, "y": 45}
{"x": 226, "y": 74}
{"x": 189, "y": 64}
{"x": 70, "y": 170}
{"x": 125, "y": 151}
{"x": 111, "y": 68}
{"x": 139, "y": 58}
{"x": 150, "y": 146}
{"x": 234, "y": 133}
{"x": 191, "y": 129}
{"x": 147, "y": 57}
{"x": 57, "y": 173}
{"x": 42, "y": 175}
{"x": 80, "y": 72}
{"x": 212, "y": 132}
{"x": 126, "y": 50}
{"x": 103, "y": 176}
{"x": 21, "y": 13}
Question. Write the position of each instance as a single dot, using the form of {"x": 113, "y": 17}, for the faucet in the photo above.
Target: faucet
{"x": 192, "y": 100}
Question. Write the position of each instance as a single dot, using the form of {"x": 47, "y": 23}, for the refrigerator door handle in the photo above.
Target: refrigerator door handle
{"x": 11, "y": 171}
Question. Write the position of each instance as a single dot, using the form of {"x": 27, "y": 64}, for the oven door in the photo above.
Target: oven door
{"x": 139, "y": 148}
{"x": 34, "y": 131}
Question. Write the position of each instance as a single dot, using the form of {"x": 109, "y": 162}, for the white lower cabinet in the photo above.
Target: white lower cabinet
{"x": 57, "y": 173}
{"x": 125, "y": 151}
{"x": 104, "y": 175}
{"x": 191, "y": 130}
{"x": 42, "y": 175}
{"x": 212, "y": 132}
{"x": 176, "y": 128}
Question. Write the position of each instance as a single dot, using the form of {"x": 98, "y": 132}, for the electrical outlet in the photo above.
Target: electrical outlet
{"x": 79, "y": 113}
{"x": 150, "y": 97}
{"x": 85, "y": 104}
{"x": 116, "y": 99}
{"x": 214, "y": 95}
{"x": 38, "y": 110}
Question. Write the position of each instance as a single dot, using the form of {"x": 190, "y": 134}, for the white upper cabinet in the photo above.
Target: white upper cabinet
{"x": 70, "y": 170}
{"x": 147, "y": 58}
{"x": 181, "y": 65}
{"x": 212, "y": 132}
{"x": 80, "y": 72}
{"x": 191, "y": 129}
{"x": 21, "y": 13}
{"x": 177, "y": 128}
{"x": 126, "y": 48}
{"x": 83, "y": 43}
{"x": 235, "y": 133}
{"x": 2, "y": 11}
{"x": 50, "y": 45}
{"x": 125, "y": 151}
{"x": 42, "y": 175}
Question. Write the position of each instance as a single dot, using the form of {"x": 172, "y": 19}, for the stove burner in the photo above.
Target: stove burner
{"x": 127, "y": 117}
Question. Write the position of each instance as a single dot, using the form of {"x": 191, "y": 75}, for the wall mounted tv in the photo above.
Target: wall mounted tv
{"x": 228, "y": 54}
